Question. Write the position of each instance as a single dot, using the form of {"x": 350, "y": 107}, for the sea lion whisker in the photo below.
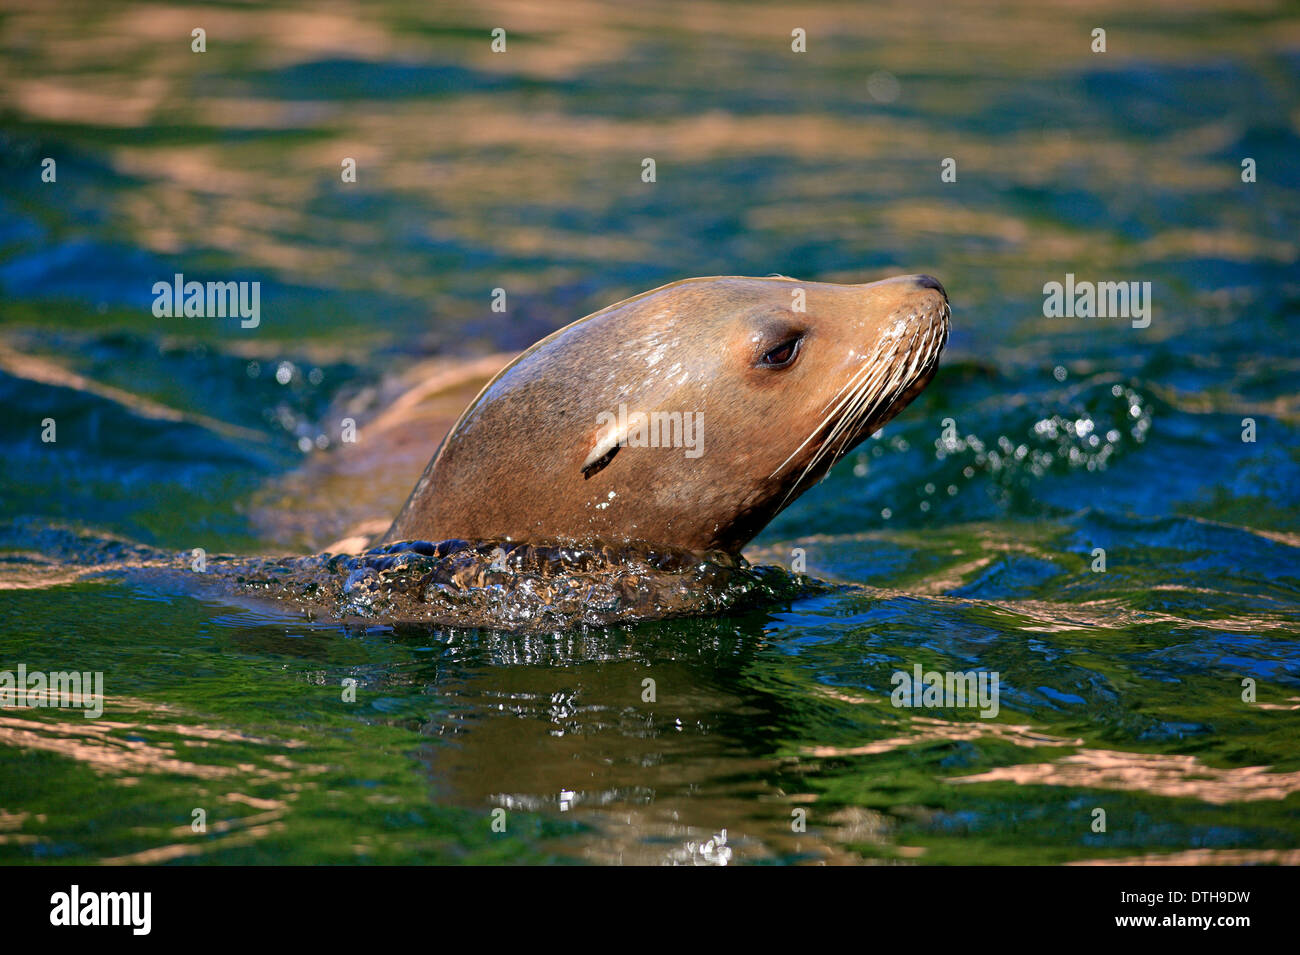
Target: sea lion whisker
{"x": 816, "y": 456}
{"x": 858, "y": 387}
{"x": 844, "y": 421}
{"x": 843, "y": 411}
{"x": 867, "y": 368}
{"x": 827, "y": 417}
{"x": 865, "y": 410}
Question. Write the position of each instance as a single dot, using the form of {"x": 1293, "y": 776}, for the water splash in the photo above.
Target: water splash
{"x": 493, "y": 585}
{"x": 513, "y": 586}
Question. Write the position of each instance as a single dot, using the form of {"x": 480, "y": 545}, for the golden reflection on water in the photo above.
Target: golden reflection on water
{"x": 1172, "y": 775}
{"x": 106, "y": 747}
{"x": 117, "y": 748}
{"x": 1205, "y": 857}
{"x": 478, "y": 156}
{"x": 635, "y": 789}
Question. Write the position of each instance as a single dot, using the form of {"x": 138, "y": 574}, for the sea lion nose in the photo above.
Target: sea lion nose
{"x": 929, "y": 281}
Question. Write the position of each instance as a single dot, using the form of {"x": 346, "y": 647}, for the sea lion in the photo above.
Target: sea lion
{"x": 688, "y": 416}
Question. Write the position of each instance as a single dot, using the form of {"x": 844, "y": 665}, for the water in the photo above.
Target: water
{"x": 963, "y": 538}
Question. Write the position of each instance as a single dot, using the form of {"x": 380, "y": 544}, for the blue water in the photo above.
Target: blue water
{"x": 965, "y": 536}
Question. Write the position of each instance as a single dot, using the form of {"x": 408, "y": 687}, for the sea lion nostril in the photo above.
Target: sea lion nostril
{"x": 929, "y": 281}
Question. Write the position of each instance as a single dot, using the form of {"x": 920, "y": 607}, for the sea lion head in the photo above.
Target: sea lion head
{"x": 690, "y": 415}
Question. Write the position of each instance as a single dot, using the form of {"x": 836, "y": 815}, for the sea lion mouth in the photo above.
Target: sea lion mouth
{"x": 904, "y": 360}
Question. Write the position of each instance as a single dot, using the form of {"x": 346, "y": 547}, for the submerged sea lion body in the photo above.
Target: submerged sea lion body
{"x": 687, "y": 416}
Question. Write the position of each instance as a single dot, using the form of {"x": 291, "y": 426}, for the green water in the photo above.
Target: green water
{"x": 966, "y": 544}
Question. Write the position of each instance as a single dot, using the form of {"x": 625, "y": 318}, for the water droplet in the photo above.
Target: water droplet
{"x": 883, "y": 86}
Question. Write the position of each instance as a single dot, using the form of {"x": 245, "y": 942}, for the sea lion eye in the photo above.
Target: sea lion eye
{"x": 783, "y": 355}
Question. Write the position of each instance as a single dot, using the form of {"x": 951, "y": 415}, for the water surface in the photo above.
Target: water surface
{"x": 964, "y": 537}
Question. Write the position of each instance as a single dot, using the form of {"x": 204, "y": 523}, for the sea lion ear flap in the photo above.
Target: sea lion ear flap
{"x": 610, "y": 438}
